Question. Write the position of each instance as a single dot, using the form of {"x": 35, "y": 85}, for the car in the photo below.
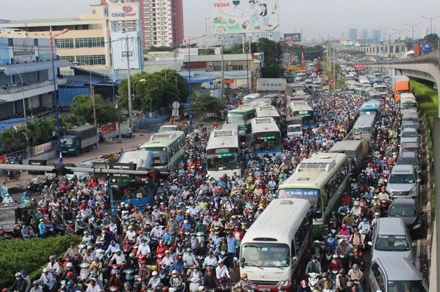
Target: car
{"x": 409, "y": 135}
{"x": 411, "y": 213}
{"x": 411, "y": 147}
{"x": 409, "y": 157}
{"x": 403, "y": 182}
{"x": 407, "y": 124}
{"x": 395, "y": 274}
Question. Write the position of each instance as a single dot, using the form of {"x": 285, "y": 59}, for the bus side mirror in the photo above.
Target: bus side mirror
{"x": 294, "y": 260}
{"x": 242, "y": 261}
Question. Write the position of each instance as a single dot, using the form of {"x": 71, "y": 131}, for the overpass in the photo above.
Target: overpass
{"x": 396, "y": 49}
{"x": 425, "y": 67}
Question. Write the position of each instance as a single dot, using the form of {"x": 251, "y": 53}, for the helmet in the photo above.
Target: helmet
{"x": 165, "y": 289}
{"x": 335, "y": 256}
{"x": 69, "y": 265}
{"x": 303, "y": 283}
{"x": 344, "y": 225}
{"x": 244, "y": 275}
{"x": 70, "y": 274}
{"x": 174, "y": 272}
{"x": 355, "y": 267}
{"x": 215, "y": 217}
{"x": 330, "y": 235}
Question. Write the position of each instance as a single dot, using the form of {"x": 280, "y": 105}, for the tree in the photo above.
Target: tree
{"x": 40, "y": 130}
{"x": 205, "y": 103}
{"x": 161, "y": 88}
{"x": 272, "y": 58}
{"x": 82, "y": 109}
{"x": 431, "y": 39}
{"x": 13, "y": 139}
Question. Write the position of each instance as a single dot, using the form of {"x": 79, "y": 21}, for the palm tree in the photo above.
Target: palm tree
{"x": 12, "y": 139}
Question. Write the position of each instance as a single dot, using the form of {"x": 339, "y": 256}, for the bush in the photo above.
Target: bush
{"x": 29, "y": 255}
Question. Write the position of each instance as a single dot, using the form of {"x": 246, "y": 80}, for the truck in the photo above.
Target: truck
{"x": 355, "y": 150}
{"x": 400, "y": 85}
{"x": 79, "y": 139}
{"x": 422, "y": 49}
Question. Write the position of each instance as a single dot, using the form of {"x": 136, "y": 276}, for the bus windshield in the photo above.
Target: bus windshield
{"x": 266, "y": 255}
{"x": 362, "y": 130}
{"x": 222, "y": 158}
{"x": 159, "y": 156}
{"x": 267, "y": 141}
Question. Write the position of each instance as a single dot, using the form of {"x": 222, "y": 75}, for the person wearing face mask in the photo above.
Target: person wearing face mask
{"x": 19, "y": 284}
{"x": 245, "y": 283}
{"x": 314, "y": 266}
{"x": 303, "y": 287}
{"x": 36, "y": 287}
{"x": 112, "y": 248}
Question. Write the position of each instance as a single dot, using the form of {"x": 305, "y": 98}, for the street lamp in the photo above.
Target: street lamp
{"x": 412, "y": 29}
{"x": 55, "y": 96}
{"x": 3, "y": 69}
{"x": 134, "y": 86}
{"x": 92, "y": 91}
{"x": 430, "y": 20}
{"x": 189, "y": 78}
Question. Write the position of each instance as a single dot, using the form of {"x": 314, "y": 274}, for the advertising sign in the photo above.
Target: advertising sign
{"x": 124, "y": 11}
{"x": 292, "y": 37}
{"x": 271, "y": 84}
{"x": 43, "y": 148}
{"x": 108, "y": 128}
{"x": 24, "y": 50}
{"x": 235, "y": 16}
{"x": 119, "y": 50}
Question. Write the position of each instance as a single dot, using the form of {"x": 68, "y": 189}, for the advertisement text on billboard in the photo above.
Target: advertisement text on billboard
{"x": 126, "y": 11}
{"x": 292, "y": 37}
{"x": 231, "y": 17}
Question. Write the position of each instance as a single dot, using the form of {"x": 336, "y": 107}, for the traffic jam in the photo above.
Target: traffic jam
{"x": 299, "y": 190}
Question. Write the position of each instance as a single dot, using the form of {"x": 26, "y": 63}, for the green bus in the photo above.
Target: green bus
{"x": 243, "y": 115}
{"x": 321, "y": 179}
{"x": 167, "y": 148}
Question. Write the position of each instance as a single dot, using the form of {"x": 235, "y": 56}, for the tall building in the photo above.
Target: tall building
{"x": 364, "y": 35}
{"x": 377, "y": 35}
{"x": 162, "y": 22}
{"x": 352, "y": 34}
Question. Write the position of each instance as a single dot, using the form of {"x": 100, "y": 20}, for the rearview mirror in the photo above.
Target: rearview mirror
{"x": 370, "y": 243}
{"x": 242, "y": 261}
{"x": 419, "y": 180}
{"x": 413, "y": 244}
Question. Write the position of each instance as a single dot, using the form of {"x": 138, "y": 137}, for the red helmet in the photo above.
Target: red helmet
{"x": 303, "y": 283}
{"x": 165, "y": 289}
{"x": 215, "y": 217}
{"x": 70, "y": 275}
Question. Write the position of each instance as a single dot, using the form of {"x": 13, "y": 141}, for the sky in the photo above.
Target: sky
{"x": 312, "y": 17}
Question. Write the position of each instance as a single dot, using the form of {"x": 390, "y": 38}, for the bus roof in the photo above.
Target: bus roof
{"x": 163, "y": 139}
{"x": 267, "y": 111}
{"x": 266, "y": 124}
{"x": 365, "y": 120}
{"x": 223, "y": 139}
{"x": 315, "y": 171}
{"x": 286, "y": 214}
{"x": 300, "y": 105}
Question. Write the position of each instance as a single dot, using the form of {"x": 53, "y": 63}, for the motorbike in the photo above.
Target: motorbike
{"x": 313, "y": 280}
{"x": 84, "y": 271}
{"x": 194, "y": 284}
{"x": 224, "y": 285}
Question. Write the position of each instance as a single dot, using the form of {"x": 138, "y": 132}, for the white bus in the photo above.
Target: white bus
{"x": 168, "y": 148}
{"x": 268, "y": 111}
{"x": 223, "y": 153}
{"x": 251, "y": 97}
{"x": 321, "y": 179}
{"x": 301, "y": 109}
{"x": 274, "y": 250}
{"x": 266, "y": 136}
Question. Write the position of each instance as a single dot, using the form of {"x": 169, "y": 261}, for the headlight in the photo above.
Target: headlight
{"x": 414, "y": 191}
{"x": 284, "y": 283}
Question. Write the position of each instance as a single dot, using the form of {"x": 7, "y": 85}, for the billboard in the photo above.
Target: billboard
{"x": 292, "y": 37}
{"x": 271, "y": 84}
{"x": 245, "y": 16}
{"x": 4, "y": 52}
{"x": 24, "y": 50}
{"x": 120, "y": 41}
{"x": 125, "y": 11}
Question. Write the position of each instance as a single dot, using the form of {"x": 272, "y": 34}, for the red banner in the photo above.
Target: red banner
{"x": 2, "y": 159}
{"x": 108, "y": 128}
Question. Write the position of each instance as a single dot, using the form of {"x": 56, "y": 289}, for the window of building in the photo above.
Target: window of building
{"x": 89, "y": 42}
{"x": 217, "y": 68}
{"x": 68, "y": 58}
{"x": 64, "y": 43}
{"x": 91, "y": 59}
{"x": 237, "y": 67}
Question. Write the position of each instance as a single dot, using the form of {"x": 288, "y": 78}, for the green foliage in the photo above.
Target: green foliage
{"x": 272, "y": 58}
{"x": 204, "y": 103}
{"x": 82, "y": 110}
{"x": 160, "y": 49}
{"x": 427, "y": 99}
{"x": 29, "y": 255}
{"x": 431, "y": 39}
{"x": 161, "y": 88}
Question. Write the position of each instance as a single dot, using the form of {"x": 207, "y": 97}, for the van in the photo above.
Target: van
{"x": 395, "y": 274}
{"x": 354, "y": 149}
{"x": 403, "y": 182}
{"x": 390, "y": 238}
{"x": 408, "y": 101}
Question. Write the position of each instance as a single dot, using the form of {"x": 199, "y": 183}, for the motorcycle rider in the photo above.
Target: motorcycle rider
{"x": 210, "y": 281}
{"x": 176, "y": 281}
{"x": 154, "y": 282}
{"x": 210, "y": 260}
{"x": 112, "y": 248}
{"x": 245, "y": 283}
{"x": 303, "y": 287}
{"x": 355, "y": 274}
{"x": 189, "y": 260}
{"x": 222, "y": 272}
{"x": 324, "y": 284}
{"x": 19, "y": 283}
{"x": 314, "y": 266}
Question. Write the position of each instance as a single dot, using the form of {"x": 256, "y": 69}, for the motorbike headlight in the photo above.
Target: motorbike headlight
{"x": 284, "y": 283}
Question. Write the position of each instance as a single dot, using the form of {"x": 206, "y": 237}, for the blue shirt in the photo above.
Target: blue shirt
{"x": 232, "y": 243}
{"x": 42, "y": 228}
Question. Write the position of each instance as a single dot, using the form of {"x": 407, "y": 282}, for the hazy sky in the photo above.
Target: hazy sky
{"x": 313, "y": 17}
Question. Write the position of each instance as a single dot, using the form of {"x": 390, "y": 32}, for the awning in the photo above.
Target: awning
{"x": 33, "y": 67}
{"x": 81, "y": 71}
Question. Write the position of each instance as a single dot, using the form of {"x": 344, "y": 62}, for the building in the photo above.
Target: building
{"x": 352, "y": 34}
{"x": 162, "y": 22}
{"x": 377, "y": 35}
{"x": 84, "y": 44}
{"x": 364, "y": 35}
{"x": 26, "y": 75}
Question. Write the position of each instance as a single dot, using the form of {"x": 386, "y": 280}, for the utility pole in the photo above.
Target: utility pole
{"x": 127, "y": 54}
{"x": 223, "y": 72}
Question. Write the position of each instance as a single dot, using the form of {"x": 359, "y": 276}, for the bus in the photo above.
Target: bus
{"x": 251, "y": 97}
{"x": 365, "y": 126}
{"x": 274, "y": 250}
{"x": 242, "y": 115}
{"x": 168, "y": 149}
{"x": 223, "y": 153}
{"x": 268, "y": 111}
{"x": 372, "y": 105}
{"x": 266, "y": 136}
{"x": 239, "y": 128}
{"x": 321, "y": 179}
{"x": 304, "y": 110}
